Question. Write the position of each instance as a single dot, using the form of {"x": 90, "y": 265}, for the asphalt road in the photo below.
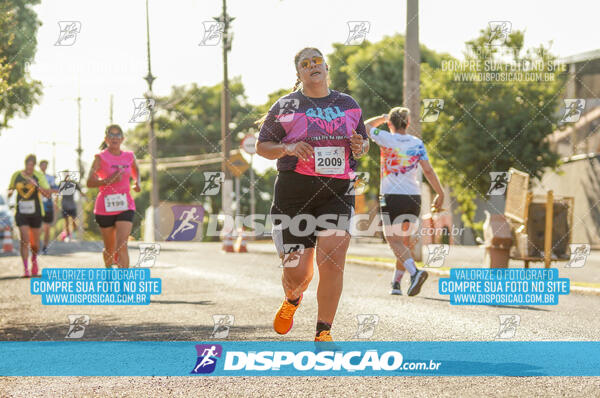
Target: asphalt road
{"x": 200, "y": 281}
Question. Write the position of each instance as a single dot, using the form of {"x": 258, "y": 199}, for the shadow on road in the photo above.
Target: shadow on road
{"x": 517, "y": 307}
{"x": 206, "y": 302}
{"x": 100, "y": 330}
{"x": 8, "y": 278}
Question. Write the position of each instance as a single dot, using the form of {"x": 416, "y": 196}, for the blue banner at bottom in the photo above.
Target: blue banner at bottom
{"x": 280, "y": 358}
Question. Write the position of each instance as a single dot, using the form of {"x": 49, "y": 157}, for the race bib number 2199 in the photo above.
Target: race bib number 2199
{"x": 116, "y": 202}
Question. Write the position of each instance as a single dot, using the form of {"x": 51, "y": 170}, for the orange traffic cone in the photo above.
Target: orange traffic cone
{"x": 227, "y": 243}
{"x": 241, "y": 246}
{"x": 7, "y": 242}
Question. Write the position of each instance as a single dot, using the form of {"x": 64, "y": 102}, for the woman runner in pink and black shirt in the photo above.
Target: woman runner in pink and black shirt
{"x": 114, "y": 207}
{"x": 315, "y": 134}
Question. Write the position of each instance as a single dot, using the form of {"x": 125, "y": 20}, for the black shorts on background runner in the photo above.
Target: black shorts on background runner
{"x": 48, "y": 217}
{"x": 105, "y": 221}
{"x": 297, "y": 194}
{"x": 397, "y": 205}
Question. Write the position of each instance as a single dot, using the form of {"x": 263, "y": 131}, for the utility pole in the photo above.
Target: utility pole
{"x": 110, "y": 110}
{"x": 152, "y": 139}
{"x": 411, "y": 91}
{"x": 226, "y": 191}
{"x": 412, "y": 64}
{"x": 79, "y": 150}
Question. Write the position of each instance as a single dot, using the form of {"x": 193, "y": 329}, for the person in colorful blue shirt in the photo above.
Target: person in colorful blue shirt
{"x": 400, "y": 190}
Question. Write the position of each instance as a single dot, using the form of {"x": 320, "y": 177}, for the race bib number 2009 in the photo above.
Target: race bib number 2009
{"x": 116, "y": 202}
{"x": 330, "y": 159}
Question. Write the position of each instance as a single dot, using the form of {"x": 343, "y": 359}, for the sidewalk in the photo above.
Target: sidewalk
{"x": 586, "y": 279}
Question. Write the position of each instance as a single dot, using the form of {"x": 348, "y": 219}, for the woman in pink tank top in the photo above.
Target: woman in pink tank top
{"x": 114, "y": 207}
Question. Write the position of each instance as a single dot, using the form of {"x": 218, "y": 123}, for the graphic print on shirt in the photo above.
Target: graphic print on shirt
{"x": 25, "y": 189}
{"x": 394, "y": 161}
{"x": 324, "y": 123}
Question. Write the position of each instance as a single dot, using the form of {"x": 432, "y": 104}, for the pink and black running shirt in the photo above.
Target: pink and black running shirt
{"x": 321, "y": 122}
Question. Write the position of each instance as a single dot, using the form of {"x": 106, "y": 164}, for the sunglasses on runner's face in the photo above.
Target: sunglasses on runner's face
{"x": 305, "y": 63}
{"x": 114, "y": 135}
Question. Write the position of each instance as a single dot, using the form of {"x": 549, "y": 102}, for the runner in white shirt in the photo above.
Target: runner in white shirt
{"x": 400, "y": 190}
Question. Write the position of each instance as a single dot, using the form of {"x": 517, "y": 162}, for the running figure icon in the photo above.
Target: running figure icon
{"x": 208, "y": 354}
{"x": 189, "y": 220}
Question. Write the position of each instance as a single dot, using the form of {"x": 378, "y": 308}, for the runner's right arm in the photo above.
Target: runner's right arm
{"x": 93, "y": 181}
{"x": 275, "y": 150}
{"x": 374, "y": 122}
{"x": 11, "y": 185}
{"x": 269, "y": 143}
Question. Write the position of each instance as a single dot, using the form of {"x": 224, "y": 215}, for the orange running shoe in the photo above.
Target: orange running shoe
{"x": 284, "y": 319}
{"x": 325, "y": 335}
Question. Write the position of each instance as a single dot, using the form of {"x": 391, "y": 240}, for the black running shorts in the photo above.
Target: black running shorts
{"x": 109, "y": 221}
{"x": 310, "y": 204}
{"x": 396, "y": 209}
{"x": 31, "y": 220}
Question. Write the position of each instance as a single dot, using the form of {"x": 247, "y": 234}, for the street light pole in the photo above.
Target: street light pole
{"x": 226, "y": 192}
{"x": 412, "y": 65}
{"x": 152, "y": 139}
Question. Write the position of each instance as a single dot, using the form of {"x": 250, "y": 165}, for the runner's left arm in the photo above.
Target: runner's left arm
{"x": 359, "y": 141}
{"x": 136, "y": 175}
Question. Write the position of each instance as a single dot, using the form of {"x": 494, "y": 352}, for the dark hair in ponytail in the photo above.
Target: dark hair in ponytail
{"x": 260, "y": 121}
{"x": 103, "y": 146}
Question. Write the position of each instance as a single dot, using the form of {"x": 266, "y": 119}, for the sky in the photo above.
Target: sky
{"x": 108, "y": 56}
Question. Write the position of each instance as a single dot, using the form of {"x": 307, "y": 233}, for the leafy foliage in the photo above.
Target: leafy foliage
{"x": 18, "y": 28}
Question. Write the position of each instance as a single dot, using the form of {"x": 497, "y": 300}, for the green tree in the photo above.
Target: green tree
{"x": 18, "y": 29}
{"x": 491, "y": 125}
